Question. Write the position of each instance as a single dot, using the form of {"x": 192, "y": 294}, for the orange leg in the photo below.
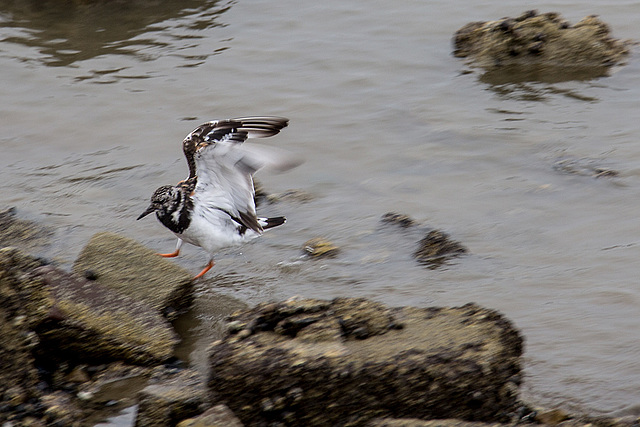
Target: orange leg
{"x": 204, "y": 271}
{"x": 174, "y": 253}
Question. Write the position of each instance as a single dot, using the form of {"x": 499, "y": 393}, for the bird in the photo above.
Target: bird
{"x": 214, "y": 207}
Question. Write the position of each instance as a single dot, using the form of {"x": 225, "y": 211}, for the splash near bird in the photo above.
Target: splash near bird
{"x": 214, "y": 207}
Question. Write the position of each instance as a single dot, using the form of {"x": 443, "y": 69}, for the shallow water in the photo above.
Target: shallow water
{"x": 97, "y": 98}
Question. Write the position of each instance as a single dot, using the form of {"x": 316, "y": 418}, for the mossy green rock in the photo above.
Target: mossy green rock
{"x": 348, "y": 361}
{"x": 130, "y": 268}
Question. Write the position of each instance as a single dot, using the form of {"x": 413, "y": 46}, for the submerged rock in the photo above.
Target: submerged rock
{"x": 125, "y": 265}
{"x": 348, "y": 361}
{"x": 540, "y": 43}
{"x": 293, "y": 195}
{"x": 319, "y": 247}
{"x": 584, "y": 167}
{"x": 436, "y": 248}
{"x": 404, "y": 221}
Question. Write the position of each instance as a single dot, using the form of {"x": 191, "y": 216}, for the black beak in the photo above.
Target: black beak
{"x": 150, "y": 209}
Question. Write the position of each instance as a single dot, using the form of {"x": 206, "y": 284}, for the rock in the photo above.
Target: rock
{"x": 23, "y": 234}
{"x": 584, "y": 167}
{"x": 218, "y": 416}
{"x": 319, "y": 247}
{"x": 125, "y": 265}
{"x": 436, "y": 248}
{"x": 77, "y": 375}
{"x": 600, "y": 421}
{"x": 404, "y": 221}
{"x": 61, "y": 410}
{"x": 170, "y": 401}
{"x": 88, "y": 322}
{"x": 552, "y": 417}
{"x": 18, "y": 375}
{"x": 407, "y": 422}
{"x": 545, "y": 43}
{"x": 371, "y": 362}
{"x": 293, "y": 195}
{"x": 116, "y": 382}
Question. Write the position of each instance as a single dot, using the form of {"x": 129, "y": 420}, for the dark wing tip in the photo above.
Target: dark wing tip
{"x": 233, "y": 130}
{"x": 272, "y": 222}
{"x": 262, "y": 126}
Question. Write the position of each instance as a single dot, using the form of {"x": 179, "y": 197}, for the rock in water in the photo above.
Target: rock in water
{"x": 541, "y": 44}
{"x": 436, "y": 248}
{"x": 347, "y": 361}
{"x": 125, "y": 265}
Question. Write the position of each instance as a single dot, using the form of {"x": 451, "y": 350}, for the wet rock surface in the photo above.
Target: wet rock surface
{"x": 319, "y": 247}
{"x": 402, "y": 220}
{"x": 218, "y": 416}
{"x": 406, "y": 422}
{"x": 65, "y": 344}
{"x": 588, "y": 167}
{"x": 87, "y": 322}
{"x": 23, "y": 234}
{"x": 18, "y": 375}
{"x": 347, "y": 361}
{"x": 68, "y": 344}
{"x": 132, "y": 269}
{"x": 293, "y": 195}
{"x": 541, "y": 44}
{"x": 167, "y": 402}
{"x": 436, "y": 248}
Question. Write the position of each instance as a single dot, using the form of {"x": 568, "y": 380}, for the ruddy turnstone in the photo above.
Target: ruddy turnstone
{"x": 214, "y": 207}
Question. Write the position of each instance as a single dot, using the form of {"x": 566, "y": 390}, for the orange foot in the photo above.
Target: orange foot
{"x": 204, "y": 271}
{"x": 171, "y": 255}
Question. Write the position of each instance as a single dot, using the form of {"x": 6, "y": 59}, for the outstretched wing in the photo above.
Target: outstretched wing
{"x": 223, "y": 168}
{"x": 232, "y": 130}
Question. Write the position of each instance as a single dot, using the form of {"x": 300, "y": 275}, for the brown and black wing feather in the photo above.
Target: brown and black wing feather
{"x": 234, "y": 130}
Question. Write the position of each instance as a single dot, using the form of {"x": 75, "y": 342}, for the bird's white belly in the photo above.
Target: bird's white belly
{"x": 213, "y": 230}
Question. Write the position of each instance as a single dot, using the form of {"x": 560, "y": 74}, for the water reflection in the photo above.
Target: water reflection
{"x": 538, "y": 83}
{"x": 65, "y": 32}
{"x": 542, "y": 74}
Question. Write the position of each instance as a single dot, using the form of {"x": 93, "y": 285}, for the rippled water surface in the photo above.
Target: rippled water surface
{"x": 96, "y": 98}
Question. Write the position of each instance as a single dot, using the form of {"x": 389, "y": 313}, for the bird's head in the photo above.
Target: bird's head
{"x": 163, "y": 199}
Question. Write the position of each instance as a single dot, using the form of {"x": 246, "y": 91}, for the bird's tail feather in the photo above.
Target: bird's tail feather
{"x": 268, "y": 223}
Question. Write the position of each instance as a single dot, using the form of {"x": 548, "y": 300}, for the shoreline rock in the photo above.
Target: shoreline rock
{"x": 89, "y": 323}
{"x": 347, "y": 361}
{"x": 132, "y": 269}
